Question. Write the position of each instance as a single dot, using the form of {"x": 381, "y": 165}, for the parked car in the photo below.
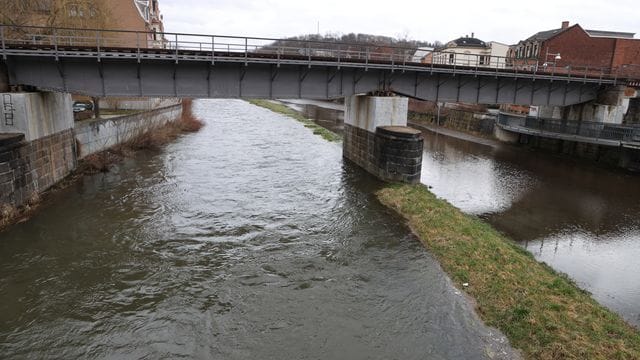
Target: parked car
{"x": 82, "y": 106}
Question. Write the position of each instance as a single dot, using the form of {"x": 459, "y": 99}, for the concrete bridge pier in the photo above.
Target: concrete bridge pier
{"x": 611, "y": 106}
{"x": 376, "y": 138}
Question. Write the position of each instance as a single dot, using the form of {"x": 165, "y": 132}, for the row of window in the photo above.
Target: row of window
{"x": 527, "y": 51}
{"x": 471, "y": 59}
{"x": 77, "y": 10}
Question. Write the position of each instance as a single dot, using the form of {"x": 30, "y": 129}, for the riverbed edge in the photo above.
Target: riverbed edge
{"x": 285, "y": 110}
{"x": 542, "y": 312}
{"x": 103, "y": 160}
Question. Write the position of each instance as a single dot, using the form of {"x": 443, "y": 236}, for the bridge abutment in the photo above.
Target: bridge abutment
{"x": 376, "y": 138}
{"x": 37, "y": 145}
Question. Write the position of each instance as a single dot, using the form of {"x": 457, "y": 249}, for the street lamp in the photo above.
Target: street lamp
{"x": 556, "y": 57}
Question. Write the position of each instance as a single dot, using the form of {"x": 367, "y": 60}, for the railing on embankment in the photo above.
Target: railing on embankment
{"x": 579, "y": 131}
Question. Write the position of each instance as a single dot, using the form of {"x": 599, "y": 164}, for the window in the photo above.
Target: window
{"x": 452, "y": 58}
{"x": 73, "y": 10}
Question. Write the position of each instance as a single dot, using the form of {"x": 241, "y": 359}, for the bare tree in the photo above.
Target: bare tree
{"x": 94, "y": 14}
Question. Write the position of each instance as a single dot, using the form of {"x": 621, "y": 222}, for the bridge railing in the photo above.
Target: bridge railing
{"x": 183, "y": 46}
{"x": 588, "y": 129}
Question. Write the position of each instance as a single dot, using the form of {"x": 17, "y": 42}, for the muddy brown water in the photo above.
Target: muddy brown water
{"x": 580, "y": 219}
{"x": 251, "y": 239}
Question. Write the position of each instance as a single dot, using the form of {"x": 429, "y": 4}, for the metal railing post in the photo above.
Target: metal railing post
{"x": 98, "y": 43}
{"x": 55, "y": 42}
{"x": 366, "y": 61}
{"x": 138, "y": 45}
{"x": 176, "y": 40}
{"x": 4, "y": 50}
{"x": 213, "y": 50}
{"x": 392, "y": 63}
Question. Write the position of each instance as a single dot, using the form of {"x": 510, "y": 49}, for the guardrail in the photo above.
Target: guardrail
{"x": 586, "y": 129}
{"x": 61, "y": 42}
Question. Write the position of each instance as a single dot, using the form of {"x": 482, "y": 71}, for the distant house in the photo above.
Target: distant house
{"x": 576, "y": 49}
{"x": 470, "y": 51}
{"x": 421, "y": 53}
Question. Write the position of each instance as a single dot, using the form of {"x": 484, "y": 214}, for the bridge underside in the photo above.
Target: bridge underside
{"x": 201, "y": 79}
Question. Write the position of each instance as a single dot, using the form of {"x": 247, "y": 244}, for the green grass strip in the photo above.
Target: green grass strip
{"x": 542, "y": 312}
{"x": 284, "y": 110}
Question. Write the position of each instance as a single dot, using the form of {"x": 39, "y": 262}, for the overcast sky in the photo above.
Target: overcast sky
{"x": 443, "y": 20}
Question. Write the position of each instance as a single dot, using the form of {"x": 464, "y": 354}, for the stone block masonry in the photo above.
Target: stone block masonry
{"x": 28, "y": 168}
{"x": 392, "y": 153}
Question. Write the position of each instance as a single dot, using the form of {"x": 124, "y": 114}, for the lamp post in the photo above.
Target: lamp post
{"x": 556, "y": 57}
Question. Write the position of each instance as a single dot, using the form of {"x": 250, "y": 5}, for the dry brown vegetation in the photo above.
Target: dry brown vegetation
{"x": 189, "y": 122}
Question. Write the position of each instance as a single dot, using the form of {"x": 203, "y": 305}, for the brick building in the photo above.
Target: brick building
{"x": 579, "y": 50}
{"x": 139, "y": 15}
{"x": 132, "y": 15}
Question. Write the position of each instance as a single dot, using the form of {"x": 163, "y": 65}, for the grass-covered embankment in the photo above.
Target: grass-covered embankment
{"x": 283, "y": 109}
{"x": 542, "y": 312}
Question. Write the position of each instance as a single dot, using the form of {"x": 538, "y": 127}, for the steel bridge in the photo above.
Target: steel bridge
{"x": 128, "y": 63}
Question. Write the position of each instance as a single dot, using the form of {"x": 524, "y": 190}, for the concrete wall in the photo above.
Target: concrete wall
{"x": 100, "y": 134}
{"x": 36, "y": 115}
{"x": 369, "y": 112}
{"x": 137, "y": 103}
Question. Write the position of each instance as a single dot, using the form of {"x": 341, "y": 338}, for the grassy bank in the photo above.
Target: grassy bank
{"x": 542, "y": 312}
{"x": 283, "y": 109}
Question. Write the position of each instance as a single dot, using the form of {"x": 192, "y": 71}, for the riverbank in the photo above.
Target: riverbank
{"x": 543, "y": 313}
{"x": 285, "y": 110}
{"x": 103, "y": 160}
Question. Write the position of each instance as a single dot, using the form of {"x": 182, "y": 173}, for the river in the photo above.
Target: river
{"x": 580, "y": 219}
{"x": 251, "y": 239}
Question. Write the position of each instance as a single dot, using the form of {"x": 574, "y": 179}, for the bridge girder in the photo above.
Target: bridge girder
{"x": 203, "y": 79}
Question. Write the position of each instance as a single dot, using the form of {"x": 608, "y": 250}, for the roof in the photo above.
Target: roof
{"x": 611, "y": 34}
{"x": 468, "y": 42}
{"x": 544, "y": 35}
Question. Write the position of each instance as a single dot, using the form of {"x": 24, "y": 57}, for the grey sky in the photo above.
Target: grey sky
{"x": 444, "y": 20}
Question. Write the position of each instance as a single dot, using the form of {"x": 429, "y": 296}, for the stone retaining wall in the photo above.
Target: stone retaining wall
{"x": 28, "y": 168}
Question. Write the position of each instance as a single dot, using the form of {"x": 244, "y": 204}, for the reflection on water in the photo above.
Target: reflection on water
{"x": 248, "y": 240}
{"x": 579, "y": 219}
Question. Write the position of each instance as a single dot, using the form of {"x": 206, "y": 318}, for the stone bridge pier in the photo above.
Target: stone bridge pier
{"x": 376, "y": 138}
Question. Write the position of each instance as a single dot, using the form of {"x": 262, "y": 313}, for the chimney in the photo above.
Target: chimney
{"x": 565, "y": 24}
{"x": 472, "y": 35}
